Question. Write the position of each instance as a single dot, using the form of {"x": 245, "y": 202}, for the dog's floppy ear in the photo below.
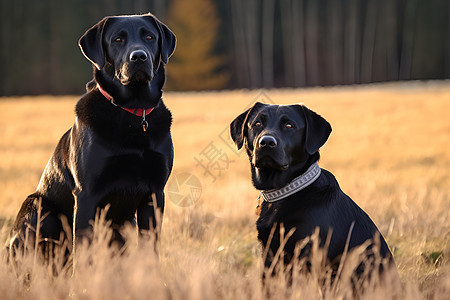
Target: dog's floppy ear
{"x": 317, "y": 130}
{"x": 238, "y": 128}
{"x": 91, "y": 44}
{"x": 167, "y": 41}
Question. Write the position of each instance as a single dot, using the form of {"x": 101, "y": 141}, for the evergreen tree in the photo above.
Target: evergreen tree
{"x": 194, "y": 65}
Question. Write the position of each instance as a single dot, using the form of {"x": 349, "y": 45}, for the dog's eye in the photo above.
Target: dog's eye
{"x": 289, "y": 125}
{"x": 257, "y": 124}
{"x": 118, "y": 40}
{"x": 148, "y": 37}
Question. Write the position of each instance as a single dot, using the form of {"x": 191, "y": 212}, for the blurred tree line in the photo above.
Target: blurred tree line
{"x": 235, "y": 43}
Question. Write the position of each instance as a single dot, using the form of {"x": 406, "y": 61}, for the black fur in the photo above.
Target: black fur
{"x": 322, "y": 204}
{"x": 106, "y": 159}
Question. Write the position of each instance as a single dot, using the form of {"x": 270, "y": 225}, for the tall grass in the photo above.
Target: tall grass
{"x": 389, "y": 151}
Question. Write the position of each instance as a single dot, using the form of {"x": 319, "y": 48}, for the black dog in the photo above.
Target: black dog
{"x": 119, "y": 151}
{"x": 282, "y": 143}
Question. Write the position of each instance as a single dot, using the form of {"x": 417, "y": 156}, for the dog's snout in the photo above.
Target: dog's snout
{"x": 138, "y": 55}
{"x": 267, "y": 141}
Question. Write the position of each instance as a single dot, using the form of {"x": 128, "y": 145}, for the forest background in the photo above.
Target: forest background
{"x": 233, "y": 44}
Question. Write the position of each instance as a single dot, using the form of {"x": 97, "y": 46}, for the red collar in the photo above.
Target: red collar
{"x": 136, "y": 111}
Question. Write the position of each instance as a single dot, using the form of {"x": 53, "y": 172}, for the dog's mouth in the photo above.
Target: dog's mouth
{"x": 140, "y": 75}
{"x": 266, "y": 177}
{"x": 269, "y": 169}
{"x": 269, "y": 163}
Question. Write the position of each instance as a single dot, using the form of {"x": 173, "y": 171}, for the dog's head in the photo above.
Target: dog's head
{"x": 127, "y": 52}
{"x": 281, "y": 141}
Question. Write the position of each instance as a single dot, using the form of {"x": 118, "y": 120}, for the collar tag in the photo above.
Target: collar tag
{"x": 258, "y": 207}
{"x": 144, "y": 121}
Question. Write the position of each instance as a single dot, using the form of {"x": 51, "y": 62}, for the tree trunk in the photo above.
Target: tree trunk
{"x": 334, "y": 46}
{"x": 55, "y": 52}
{"x": 298, "y": 43}
{"x": 447, "y": 57}
{"x": 240, "y": 45}
{"x": 407, "y": 47}
{"x": 159, "y": 9}
{"x": 312, "y": 43}
{"x": 140, "y": 7}
{"x": 350, "y": 42}
{"x": 267, "y": 37}
{"x": 287, "y": 32}
{"x": 391, "y": 39}
{"x": 253, "y": 43}
{"x": 6, "y": 48}
{"x": 369, "y": 41}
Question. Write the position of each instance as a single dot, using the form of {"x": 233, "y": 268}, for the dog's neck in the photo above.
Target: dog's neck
{"x": 133, "y": 95}
{"x": 296, "y": 185}
{"x": 140, "y": 112}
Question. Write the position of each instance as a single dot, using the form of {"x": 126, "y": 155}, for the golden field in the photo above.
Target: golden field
{"x": 389, "y": 150}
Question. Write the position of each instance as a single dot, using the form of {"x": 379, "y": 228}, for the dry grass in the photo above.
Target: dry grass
{"x": 390, "y": 151}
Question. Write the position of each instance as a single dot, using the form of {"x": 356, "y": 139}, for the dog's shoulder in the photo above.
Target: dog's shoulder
{"x": 91, "y": 109}
{"x": 322, "y": 191}
{"x": 313, "y": 205}
{"x": 160, "y": 120}
{"x": 95, "y": 114}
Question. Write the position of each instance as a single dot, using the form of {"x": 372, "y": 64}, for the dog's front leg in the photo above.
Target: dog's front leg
{"x": 149, "y": 215}
{"x": 83, "y": 213}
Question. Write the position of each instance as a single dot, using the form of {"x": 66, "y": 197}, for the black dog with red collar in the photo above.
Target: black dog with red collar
{"x": 111, "y": 157}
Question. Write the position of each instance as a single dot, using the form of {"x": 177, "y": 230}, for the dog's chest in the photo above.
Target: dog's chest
{"x": 270, "y": 215}
{"x": 134, "y": 171}
{"x": 279, "y": 218}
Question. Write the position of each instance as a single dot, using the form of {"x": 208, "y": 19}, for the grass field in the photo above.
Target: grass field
{"x": 389, "y": 150}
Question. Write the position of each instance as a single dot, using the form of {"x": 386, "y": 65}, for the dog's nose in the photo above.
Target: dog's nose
{"x": 267, "y": 141}
{"x": 138, "y": 55}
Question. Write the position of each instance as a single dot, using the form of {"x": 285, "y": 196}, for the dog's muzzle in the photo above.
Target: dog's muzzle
{"x": 137, "y": 68}
{"x": 268, "y": 154}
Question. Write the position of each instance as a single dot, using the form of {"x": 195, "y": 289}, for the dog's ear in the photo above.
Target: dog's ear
{"x": 167, "y": 42}
{"x": 238, "y": 128}
{"x": 92, "y": 46}
{"x": 317, "y": 130}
